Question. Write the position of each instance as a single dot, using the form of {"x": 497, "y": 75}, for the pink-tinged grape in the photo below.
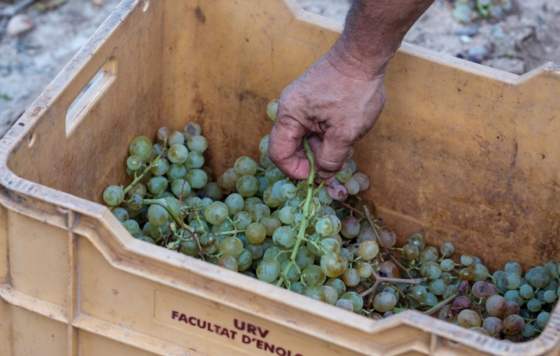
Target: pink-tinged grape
{"x": 163, "y": 134}
{"x": 469, "y": 318}
{"x": 194, "y": 160}
{"x": 197, "y": 178}
{"x": 356, "y": 299}
{"x": 216, "y": 213}
{"x": 256, "y": 233}
{"x": 272, "y": 110}
{"x": 158, "y": 215}
{"x": 178, "y": 154}
{"x": 268, "y": 270}
{"x": 365, "y": 270}
{"x": 229, "y": 262}
{"x": 387, "y": 238}
{"x": 384, "y": 302}
{"x": 271, "y": 224}
{"x": 157, "y": 185}
{"x": 362, "y": 179}
{"x": 132, "y": 227}
{"x": 460, "y": 303}
{"x": 313, "y": 276}
{"x": 134, "y": 163}
{"x": 181, "y": 188}
{"x": 513, "y": 325}
{"x": 389, "y": 269}
{"x": 197, "y": 143}
{"x": 245, "y": 260}
{"x": 141, "y": 147}
{"x": 336, "y": 190}
{"x": 113, "y": 195}
{"x": 333, "y": 265}
{"x": 338, "y": 285}
{"x": 496, "y": 305}
{"x": 231, "y": 246}
{"x": 228, "y": 180}
{"x": 176, "y": 171}
{"x": 176, "y": 138}
{"x": 492, "y": 325}
{"x": 350, "y": 227}
{"x": 121, "y": 214}
{"x": 245, "y": 166}
{"x": 247, "y": 186}
{"x": 368, "y": 250}
{"x": 284, "y": 236}
{"x": 512, "y": 308}
{"x": 192, "y": 129}
{"x": 482, "y": 289}
{"x": 213, "y": 191}
{"x": 352, "y": 186}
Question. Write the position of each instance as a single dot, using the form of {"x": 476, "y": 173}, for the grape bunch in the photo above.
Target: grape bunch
{"x": 316, "y": 238}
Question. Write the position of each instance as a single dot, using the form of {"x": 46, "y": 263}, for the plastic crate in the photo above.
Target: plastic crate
{"x": 467, "y": 153}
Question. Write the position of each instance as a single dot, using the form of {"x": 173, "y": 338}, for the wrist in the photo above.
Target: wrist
{"x": 352, "y": 64}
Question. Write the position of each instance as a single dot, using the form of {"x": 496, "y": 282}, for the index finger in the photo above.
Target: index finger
{"x": 286, "y": 147}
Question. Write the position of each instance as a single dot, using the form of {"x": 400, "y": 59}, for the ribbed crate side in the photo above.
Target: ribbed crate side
{"x": 33, "y": 334}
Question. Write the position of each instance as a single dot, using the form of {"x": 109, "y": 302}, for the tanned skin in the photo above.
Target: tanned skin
{"x": 339, "y": 98}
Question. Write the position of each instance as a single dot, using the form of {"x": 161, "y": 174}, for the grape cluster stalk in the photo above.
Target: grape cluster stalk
{"x": 317, "y": 238}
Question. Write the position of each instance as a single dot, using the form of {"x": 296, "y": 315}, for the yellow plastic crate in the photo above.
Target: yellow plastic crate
{"x": 467, "y": 153}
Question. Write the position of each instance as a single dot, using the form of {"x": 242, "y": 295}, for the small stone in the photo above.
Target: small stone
{"x": 19, "y": 25}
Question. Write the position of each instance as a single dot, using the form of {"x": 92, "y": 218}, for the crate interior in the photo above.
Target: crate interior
{"x": 453, "y": 154}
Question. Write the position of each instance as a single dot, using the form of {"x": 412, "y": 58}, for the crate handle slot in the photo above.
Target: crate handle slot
{"x": 90, "y": 94}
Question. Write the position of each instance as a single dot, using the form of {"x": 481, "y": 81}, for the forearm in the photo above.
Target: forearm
{"x": 374, "y": 31}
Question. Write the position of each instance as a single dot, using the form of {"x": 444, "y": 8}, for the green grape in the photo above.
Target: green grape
{"x": 193, "y": 202}
{"x": 352, "y": 186}
{"x": 549, "y": 296}
{"x": 271, "y": 253}
{"x": 513, "y": 325}
{"x": 270, "y": 224}
{"x": 216, "y": 213}
{"x": 157, "y": 215}
{"x": 139, "y": 189}
{"x": 207, "y": 239}
{"x": 529, "y": 331}
{"x": 345, "y": 304}
{"x": 176, "y": 171}
{"x": 447, "y": 265}
{"x": 480, "y": 272}
{"x": 134, "y": 163}
{"x": 384, "y": 302}
{"x": 268, "y": 270}
{"x": 351, "y": 277}
{"x": 157, "y": 150}
{"x": 272, "y": 110}
{"x": 135, "y": 204}
{"x": 157, "y": 185}
{"x": 263, "y": 184}
{"x": 197, "y": 143}
{"x": 411, "y": 252}
{"x": 315, "y": 292}
{"x": 160, "y": 167}
{"x": 534, "y": 305}
{"x": 338, "y": 285}
{"x": 192, "y": 129}
{"x": 552, "y": 269}
{"x": 345, "y": 174}
{"x": 197, "y": 178}
{"x": 194, "y": 160}
{"x": 247, "y": 186}
{"x": 438, "y": 287}
{"x": 113, "y": 195}
{"x": 163, "y": 134}
{"x": 259, "y": 211}
{"x": 362, "y": 179}
{"x": 242, "y": 219}
{"x": 289, "y": 271}
{"x": 229, "y": 262}
{"x": 492, "y": 325}
{"x": 513, "y": 295}
{"x": 431, "y": 270}
{"x": 513, "y": 280}
{"x": 330, "y": 294}
{"x": 500, "y": 280}
{"x": 542, "y": 319}
{"x": 297, "y": 287}
{"x": 347, "y": 253}
{"x": 356, "y": 299}
{"x": 467, "y": 260}
{"x": 313, "y": 276}
{"x": 418, "y": 293}
{"x": 447, "y": 249}
{"x": 287, "y": 215}
{"x": 284, "y": 236}
{"x": 263, "y": 144}
{"x": 121, "y": 214}
{"x": 256, "y": 233}
{"x": 513, "y": 267}
{"x": 429, "y": 254}
{"x": 178, "y": 154}
{"x": 245, "y": 260}
{"x": 245, "y": 166}
{"x": 324, "y": 227}
{"x": 228, "y": 180}
{"x": 213, "y": 191}
{"x": 180, "y": 188}
{"x": 176, "y": 138}
{"x": 537, "y": 277}
{"x": 365, "y": 270}
{"x": 199, "y": 226}
{"x": 469, "y": 318}
{"x": 141, "y": 147}
{"x": 257, "y": 251}
{"x": 274, "y": 175}
{"x": 417, "y": 239}
{"x": 174, "y": 205}
{"x": 330, "y": 245}
{"x": 526, "y": 291}
{"x": 333, "y": 265}
{"x": 132, "y": 227}
{"x": 189, "y": 248}
{"x": 235, "y": 203}
{"x": 289, "y": 191}
{"x": 225, "y": 226}
{"x": 231, "y": 246}
{"x": 431, "y": 300}
{"x": 145, "y": 239}
{"x": 368, "y": 250}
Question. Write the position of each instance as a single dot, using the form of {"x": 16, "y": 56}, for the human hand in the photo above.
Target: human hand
{"x": 330, "y": 106}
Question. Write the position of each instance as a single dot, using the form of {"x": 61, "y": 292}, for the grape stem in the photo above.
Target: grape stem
{"x": 440, "y": 305}
{"x": 178, "y": 220}
{"x": 379, "y": 279}
{"x": 137, "y": 180}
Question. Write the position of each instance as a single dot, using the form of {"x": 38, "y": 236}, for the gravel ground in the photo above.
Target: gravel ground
{"x": 521, "y": 41}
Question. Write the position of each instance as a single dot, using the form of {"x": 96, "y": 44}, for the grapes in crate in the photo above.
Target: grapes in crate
{"x": 316, "y": 238}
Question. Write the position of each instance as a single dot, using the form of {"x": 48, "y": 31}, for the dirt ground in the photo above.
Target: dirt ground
{"x": 522, "y": 40}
